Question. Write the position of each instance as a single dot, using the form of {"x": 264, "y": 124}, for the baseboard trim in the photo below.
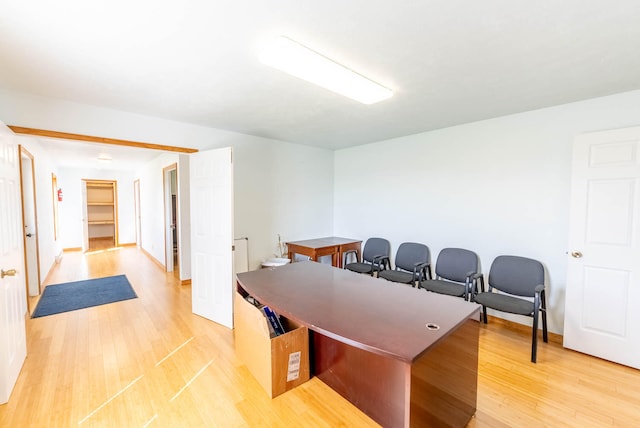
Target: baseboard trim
{"x": 522, "y": 328}
{"x": 153, "y": 259}
{"x": 72, "y": 249}
{"x": 46, "y": 278}
{"x": 185, "y": 282}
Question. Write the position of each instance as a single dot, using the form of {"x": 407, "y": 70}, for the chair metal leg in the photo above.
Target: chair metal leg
{"x": 484, "y": 312}
{"x": 534, "y": 341}
{"x": 544, "y": 317}
{"x": 534, "y": 338}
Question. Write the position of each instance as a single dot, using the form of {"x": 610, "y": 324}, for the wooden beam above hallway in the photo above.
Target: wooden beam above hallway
{"x": 102, "y": 140}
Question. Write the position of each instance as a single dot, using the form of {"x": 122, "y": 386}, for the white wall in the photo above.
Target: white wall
{"x": 499, "y": 186}
{"x": 152, "y": 205}
{"x": 279, "y": 188}
{"x": 70, "y": 180}
{"x": 65, "y": 116}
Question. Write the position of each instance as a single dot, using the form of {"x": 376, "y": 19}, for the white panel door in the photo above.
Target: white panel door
{"x": 602, "y": 314}
{"x": 13, "y": 299}
{"x": 30, "y": 226}
{"x": 211, "y": 195}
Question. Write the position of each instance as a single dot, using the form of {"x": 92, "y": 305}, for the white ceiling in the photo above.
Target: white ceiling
{"x": 75, "y": 154}
{"x": 196, "y": 61}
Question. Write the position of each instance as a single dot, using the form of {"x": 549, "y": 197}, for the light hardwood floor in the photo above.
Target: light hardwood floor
{"x": 150, "y": 362}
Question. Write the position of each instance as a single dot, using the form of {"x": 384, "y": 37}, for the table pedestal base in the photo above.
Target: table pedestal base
{"x": 438, "y": 389}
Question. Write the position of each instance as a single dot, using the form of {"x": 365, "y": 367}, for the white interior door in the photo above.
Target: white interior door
{"x": 211, "y": 184}
{"x": 602, "y": 314}
{"x": 13, "y": 301}
{"x": 32, "y": 270}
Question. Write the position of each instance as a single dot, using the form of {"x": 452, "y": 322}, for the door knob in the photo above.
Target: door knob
{"x": 576, "y": 254}
{"x": 10, "y": 272}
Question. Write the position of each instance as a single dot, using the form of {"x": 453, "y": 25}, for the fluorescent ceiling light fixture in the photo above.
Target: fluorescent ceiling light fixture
{"x": 291, "y": 57}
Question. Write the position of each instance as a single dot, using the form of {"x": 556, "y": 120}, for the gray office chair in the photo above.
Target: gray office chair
{"x": 413, "y": 263}
{"x": 457, "y": 274}
{"x": 375, "y": 257}
{"x": 523, "y": 281}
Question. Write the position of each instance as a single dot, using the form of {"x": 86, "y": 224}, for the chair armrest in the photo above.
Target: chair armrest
{"x": 471, "y": 284}
{"x": 479, "y": 277}
{"x": 539, "y": 300}
{"x": 417, "y": 270}
{"x": 381, "y": 261}
{"x": 427, "y": 269}
{"x": 346, "y": 254}
{"x": 471, "y": 275}
{"x": 386, "y": 261}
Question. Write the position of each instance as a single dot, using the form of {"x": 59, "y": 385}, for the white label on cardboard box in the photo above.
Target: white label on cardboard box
{"x": 293, "y": 372}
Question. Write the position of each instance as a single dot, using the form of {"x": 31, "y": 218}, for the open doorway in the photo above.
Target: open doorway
{"x": 136, "y": 207}
{"x": 30, "y": 228}
{"x": 100, "y": 228}
{"x": 170, "y": 186}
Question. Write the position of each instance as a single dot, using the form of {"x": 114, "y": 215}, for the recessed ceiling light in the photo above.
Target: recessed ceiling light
{"x": 291, "y": 57}
{"x": 104, "y": 158}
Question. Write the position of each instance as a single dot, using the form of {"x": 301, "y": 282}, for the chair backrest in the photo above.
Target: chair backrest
{"x": 455, "y": 263}
{"x": 516, "y": 275}
{"x": 375, "y": 247}
{"x": 410, "y": 253}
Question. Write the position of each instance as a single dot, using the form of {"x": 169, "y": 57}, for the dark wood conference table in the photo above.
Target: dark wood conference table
{"x": 318, "y": 247}
{"x": 405, "y": 357}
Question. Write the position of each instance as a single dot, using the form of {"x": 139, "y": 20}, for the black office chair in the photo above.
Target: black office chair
{"x": 457, "y": 274}
{"x": 413, "y": 263}
{"x": 375, "y": 257}
{"x": 522, "y": 279}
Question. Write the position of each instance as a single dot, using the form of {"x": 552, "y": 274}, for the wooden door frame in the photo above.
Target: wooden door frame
{"x": 24, "y": 152}
{"x": 56, "y": 208}
{"x": 166, "y": 193}
{"x": 86, "y": 181}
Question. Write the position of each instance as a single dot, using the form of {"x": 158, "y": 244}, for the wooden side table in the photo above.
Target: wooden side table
{"x": 331, "y": 246}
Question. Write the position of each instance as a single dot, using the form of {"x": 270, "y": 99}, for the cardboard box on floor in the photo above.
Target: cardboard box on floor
{"x": 278, "y": 364}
